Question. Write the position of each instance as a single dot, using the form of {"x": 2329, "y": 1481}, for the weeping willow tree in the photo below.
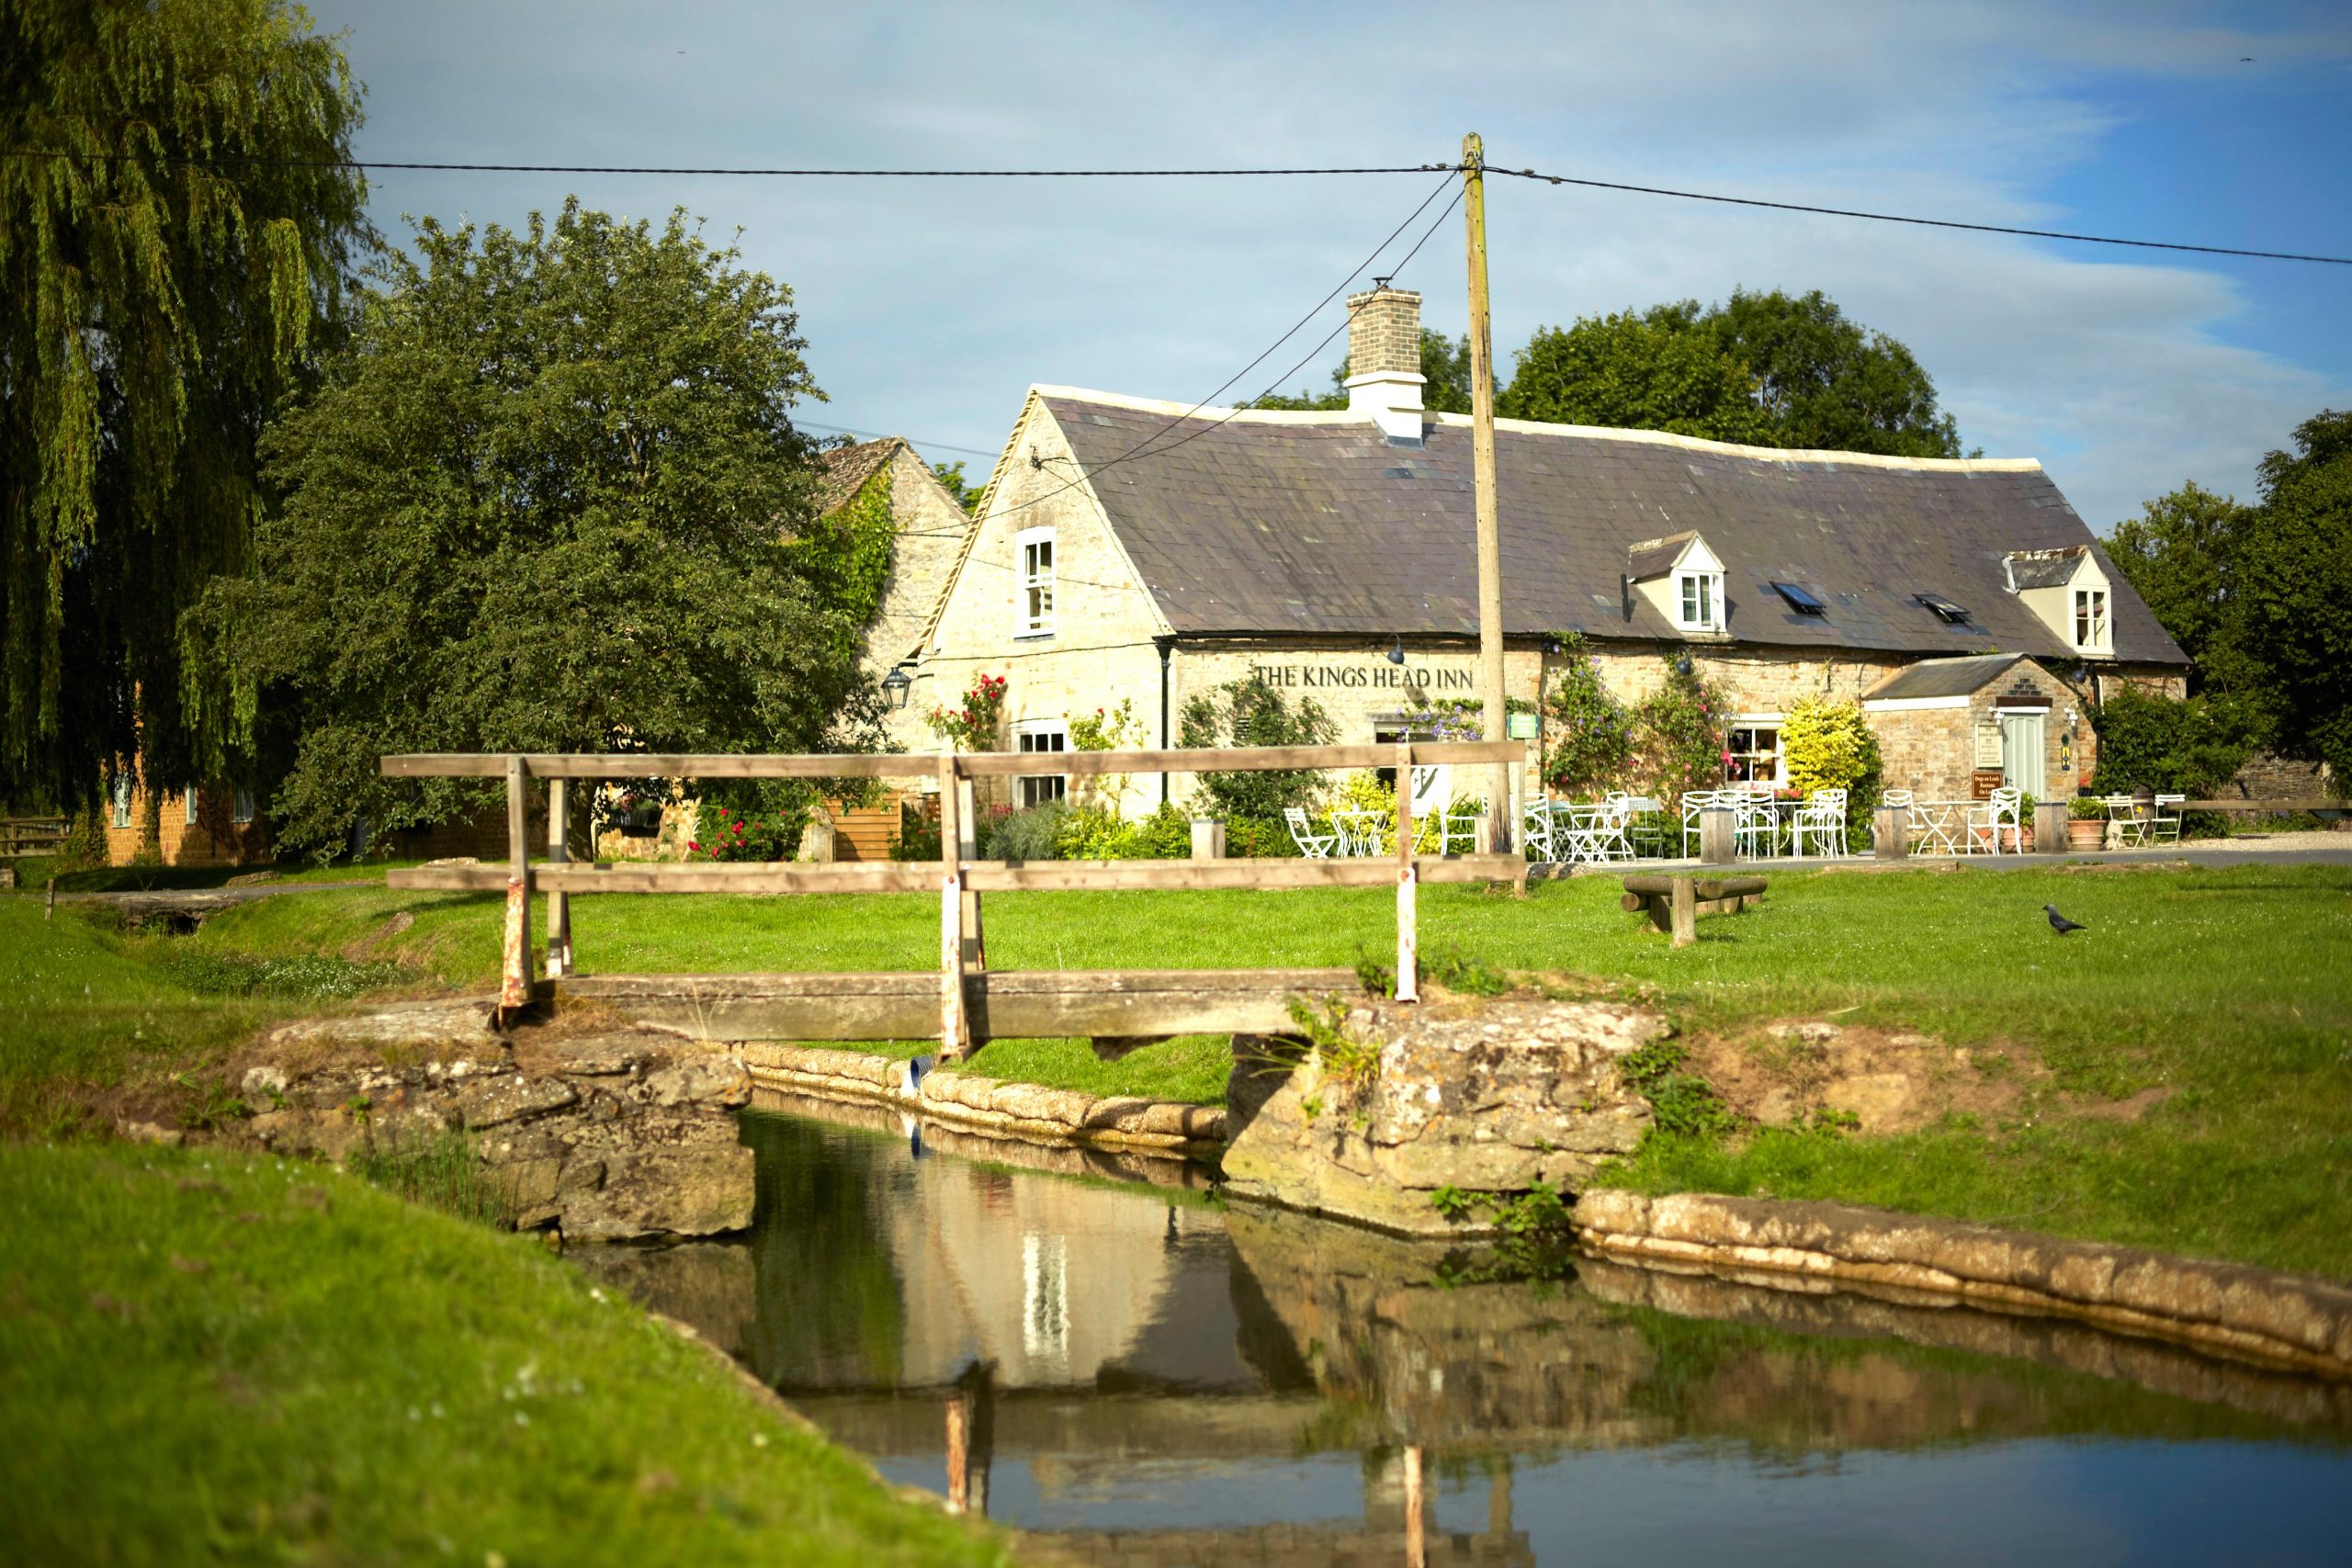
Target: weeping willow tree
{"x": 177, "y": 231}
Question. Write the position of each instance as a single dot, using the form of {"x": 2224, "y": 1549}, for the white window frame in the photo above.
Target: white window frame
{"x": 122, "y": 800}
{"x": 190, "y": 794}
{"x": 2095, "y": 606}
{"x": 1752, "y": 722}
{"x": 1042, "y": 737}
{"x": 1033, "y": 582}
{"x": 1708, "y": 588}
{"x": 241, "y": 806}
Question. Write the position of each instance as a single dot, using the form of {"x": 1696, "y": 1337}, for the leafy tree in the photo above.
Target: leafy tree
{"x": 1659, "y": 370}
{"x": 2261, "y": 596}
{"x": 174, "y": 238}
{"x": 1824, "y": 381}
{"x": 2291, "y": 628}
{"x": 967, "y": 492}
{"x": 543, "y": 504}
{"x": 2191, "y": 746}
{"x": 1250, "y": 713}
{"x": 2180, "y": 556}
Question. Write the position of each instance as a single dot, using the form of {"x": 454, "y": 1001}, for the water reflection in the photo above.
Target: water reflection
{"x": 1084, "y": 1346}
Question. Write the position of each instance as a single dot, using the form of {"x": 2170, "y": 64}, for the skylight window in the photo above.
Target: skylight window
{"x": 1954, "y": 615}
{"x": 1800, "y": 600}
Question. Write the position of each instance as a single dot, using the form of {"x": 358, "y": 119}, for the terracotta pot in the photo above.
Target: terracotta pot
{"x": 2085, "y": 833}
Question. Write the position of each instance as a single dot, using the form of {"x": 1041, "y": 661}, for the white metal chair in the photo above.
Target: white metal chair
{"x": 1312, "y": 844}
{"x": 1983, "y": 829}
{"x": 1536, "y": 832}
{"x": 2166, "y": 829}
{"x": 2131, "y": 828}
{"x": 1822, "y": 819}
{"x": 1757, "y": 831}
{"x": 1694, "y": 801}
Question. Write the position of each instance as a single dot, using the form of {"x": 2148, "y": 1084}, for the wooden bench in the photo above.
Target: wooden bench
{"x": 1675, "y": 903}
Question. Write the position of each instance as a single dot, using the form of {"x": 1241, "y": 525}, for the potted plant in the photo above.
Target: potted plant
{"x": 2085, "y": 823}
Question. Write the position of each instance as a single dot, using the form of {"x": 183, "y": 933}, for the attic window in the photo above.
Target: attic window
{"x": 1956, "y": 615}
{"x": 1699, "y": 597}
{"x": 1800, "y": 600}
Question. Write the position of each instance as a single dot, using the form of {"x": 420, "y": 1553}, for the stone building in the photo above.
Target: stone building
{"x": 1146, "y": 551}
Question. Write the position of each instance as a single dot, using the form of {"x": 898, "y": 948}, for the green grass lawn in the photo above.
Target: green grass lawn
{"x": 2228, "y": 987}
{"x": 221, "y": 1360}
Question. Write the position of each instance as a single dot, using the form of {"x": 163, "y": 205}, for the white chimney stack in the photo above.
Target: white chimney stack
{"x": 1385, "y": 359}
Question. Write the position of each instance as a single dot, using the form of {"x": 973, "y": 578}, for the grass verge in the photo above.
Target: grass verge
{"x": 215, "y": 1360}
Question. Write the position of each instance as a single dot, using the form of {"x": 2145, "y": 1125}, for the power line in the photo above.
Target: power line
{"x": 734, "y": 173}
{"x": 1337, "y": 289}
{"x": 884, "y": 435}
{"x": 1921, "y": 222}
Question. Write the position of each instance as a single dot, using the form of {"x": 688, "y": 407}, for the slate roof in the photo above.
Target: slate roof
{"x": 1316, "y": 525}
{"x": 842, "y": 470}
{"x": 2046, "y": 569}
{"x": 1653, "y": 557}
{"x": 1943, "y": 677}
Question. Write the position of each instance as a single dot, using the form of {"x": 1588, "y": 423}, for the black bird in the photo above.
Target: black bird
{"x": 2059, "y": 922}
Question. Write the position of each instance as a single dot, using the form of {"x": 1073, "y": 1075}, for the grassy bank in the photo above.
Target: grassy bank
{"x": 2223, "y": 988}
{"x": 211, "y": 1360}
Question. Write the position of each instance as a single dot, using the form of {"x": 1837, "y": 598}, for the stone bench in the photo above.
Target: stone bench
{"x": 1675, "y": 903}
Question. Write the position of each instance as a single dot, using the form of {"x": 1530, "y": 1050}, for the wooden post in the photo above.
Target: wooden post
{"x": 2050, "y": 827}
{"x": 955, "y": 1027}
{"x": 959, "y": 1452}
{"x": 1482, "y": 467}
{"x": 1408, "y": 952}
{"x": 1686, "y": 911}
{"x": 1417, "y": 1524}
{"x": 559, "y": 904}
{"x": 515, "y": 972}
{"x": 1209, "y": 839}
{"x": 1718, "y": 836}
{"x": 1891, "y": 833}
{"x": 967, "y": 840}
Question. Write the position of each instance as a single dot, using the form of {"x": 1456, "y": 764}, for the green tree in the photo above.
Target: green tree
{"x": 1829, "y": 383}
{"x": 2180, "y": 556}
{"x": 1662, "y": 369}
{"x": 545, "y": 502}
{"x": 1250, "y": 713}
{"x": 176, "y": 236}
{"x": 2289, "y": 639}
{"x": 967, "y": 492}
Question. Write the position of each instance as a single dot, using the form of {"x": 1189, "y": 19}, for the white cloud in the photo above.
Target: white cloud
{"x": 930, "y": 305}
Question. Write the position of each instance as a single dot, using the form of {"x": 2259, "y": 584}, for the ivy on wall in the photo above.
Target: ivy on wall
{"x": 845, "y": 555}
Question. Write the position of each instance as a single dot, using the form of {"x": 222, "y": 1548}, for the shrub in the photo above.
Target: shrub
{"x": 1259, "y": 838}
{"x": 1678, "y": 734}
{"x": 2191, "y": 747}
{"x": 918, "y": 834}
{"x": 1250, "y": 713}
{"x": 1588, "y": 733}
{"x": 731, "y": 835}
{"x": 974, "y": 725}
{"x": 1034, "y": 834}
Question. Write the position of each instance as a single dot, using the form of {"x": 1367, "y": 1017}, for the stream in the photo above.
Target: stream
{"x": 1092, "y": 1348}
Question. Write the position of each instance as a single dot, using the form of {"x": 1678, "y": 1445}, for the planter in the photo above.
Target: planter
{"x": 2085, "y": 833}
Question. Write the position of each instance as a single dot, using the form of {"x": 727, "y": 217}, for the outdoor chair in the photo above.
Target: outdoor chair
{"x": 1758, "y": 831}
{"x": 1823, "y": 820}
{"x": 1535, "y": 832}
{"x": 1694, "y": 801}
{"x": 1983, "y": 829}
{"x": 2131, "y": 825}
{"x": 1312, "y": 844}
{"x": 2166, "y": 829}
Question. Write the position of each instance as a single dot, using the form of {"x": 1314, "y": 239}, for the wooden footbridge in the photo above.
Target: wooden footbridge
{"x": 963, "y": 1002}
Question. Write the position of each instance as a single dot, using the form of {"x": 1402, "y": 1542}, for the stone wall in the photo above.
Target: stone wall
{"x": 2266, "y": 775}
{"x": 930, "y": 529}
{"x": 213, "y": 839}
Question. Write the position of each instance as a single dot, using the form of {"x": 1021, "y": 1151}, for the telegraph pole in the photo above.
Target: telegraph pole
{"x": 1482, "y": 460}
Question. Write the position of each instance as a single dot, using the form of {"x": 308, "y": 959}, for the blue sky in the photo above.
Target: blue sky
{"x": 930, "y": 306}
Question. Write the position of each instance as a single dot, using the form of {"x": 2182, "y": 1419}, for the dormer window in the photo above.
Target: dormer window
{"x": 2090, "y": 619}
{"x": 1033, "y": 550}
{"x": 1700, "y": 593}
{"x": 1681, "y": 579}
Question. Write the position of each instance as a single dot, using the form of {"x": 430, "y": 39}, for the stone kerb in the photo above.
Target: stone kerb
{"x": 2231, "y": 1308}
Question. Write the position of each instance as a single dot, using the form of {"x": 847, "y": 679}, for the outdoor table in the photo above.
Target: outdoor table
{"x": 1941, "y": 824}
{"x": 1358, "y": 831}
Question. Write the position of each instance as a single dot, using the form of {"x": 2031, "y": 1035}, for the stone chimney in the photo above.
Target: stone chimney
{"x": 1385, "y": 359}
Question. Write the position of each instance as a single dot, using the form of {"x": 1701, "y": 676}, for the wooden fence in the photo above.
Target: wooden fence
{"x": 968, "y": 1002}
{"x": 31, "y": 836}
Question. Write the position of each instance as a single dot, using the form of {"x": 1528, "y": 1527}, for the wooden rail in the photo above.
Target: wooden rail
{"x": 962, "y": 1002}
{"x": 32, "y": 836}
